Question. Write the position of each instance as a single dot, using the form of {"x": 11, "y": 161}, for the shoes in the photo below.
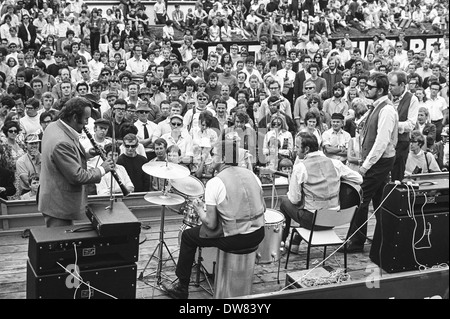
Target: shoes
{"x": 176, "y": 290}
{"x": 352, "y": 248}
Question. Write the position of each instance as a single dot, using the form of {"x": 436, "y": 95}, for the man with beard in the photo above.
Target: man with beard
{"x": 378, "y": 140}
{"x": 336, "y": 103}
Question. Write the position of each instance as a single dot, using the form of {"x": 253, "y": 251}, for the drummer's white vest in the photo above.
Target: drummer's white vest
{"x": 242, "y": 210}
{"x": 321, "y": 190}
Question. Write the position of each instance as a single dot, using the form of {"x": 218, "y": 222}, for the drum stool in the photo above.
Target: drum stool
{"x": 234, "y": 274}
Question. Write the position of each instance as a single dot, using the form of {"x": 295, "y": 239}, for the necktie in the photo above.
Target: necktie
{"x": 145, "y": 131}
{"x": 254, "y": 93}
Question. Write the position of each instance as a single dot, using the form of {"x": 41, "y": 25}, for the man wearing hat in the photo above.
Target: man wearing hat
{"x": 29, "y": 163}
{"x": 145, "y": 95}
{"x": 335, "y": 140}
{"x": 145, "y": 127}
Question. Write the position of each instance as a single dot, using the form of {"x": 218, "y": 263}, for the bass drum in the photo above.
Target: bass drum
{"x": 209, "y": 254}
{"x": 350, "y": 194}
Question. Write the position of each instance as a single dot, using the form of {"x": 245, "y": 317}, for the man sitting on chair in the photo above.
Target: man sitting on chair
{"x": 233, "y": 219}
{"x": 314, "y": 184}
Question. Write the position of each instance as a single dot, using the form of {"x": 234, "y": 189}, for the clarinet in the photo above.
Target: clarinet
{"x": 103, "y": 157}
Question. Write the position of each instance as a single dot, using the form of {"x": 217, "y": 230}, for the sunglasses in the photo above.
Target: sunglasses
{"x": 143, "y": 112}
{"x": 105, "y": 74}
{"x": 370, "y": 87}
{"x": 119, "y": 110}
{"x": 203, "y": 99}
{"x": 12, "y": 131}
{"x": 130, "y": 146}
{"x": 309, "y": 88}
{"x": 114, "y": 81}
{"x": 176, "y": 123}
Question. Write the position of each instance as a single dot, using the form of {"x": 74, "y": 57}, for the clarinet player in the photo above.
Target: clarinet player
{"x": 64, "y": 175}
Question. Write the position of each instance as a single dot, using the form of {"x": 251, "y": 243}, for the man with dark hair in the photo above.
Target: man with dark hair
{"x": 314, "y": 184}
{"x": 62, "y": 195}
{"x": 378, "y": 140}
{"x": 27, "y": 32}
{"x": 133, "y": 163}
{"x": 233, "y": 219}
{"x": 53, "y": 69}
{"x": 332, "y": 75}
{"x": 301, "y": 76}
{"x": 20, "y": 87}
{"x": 407, "y": 106}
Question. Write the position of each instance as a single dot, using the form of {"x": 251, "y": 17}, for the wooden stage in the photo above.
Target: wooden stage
{"x": 14, "y": 254}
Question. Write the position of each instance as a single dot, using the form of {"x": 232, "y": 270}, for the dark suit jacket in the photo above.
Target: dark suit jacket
{"x": 300, "y": 78}
{"x": 64, "y": 174}
{"x": 7, "y": 181}
{"x": 22, "y": 33}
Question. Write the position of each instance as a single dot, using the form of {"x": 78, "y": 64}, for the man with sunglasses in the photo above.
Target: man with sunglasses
{"x": 301, "y": 104}
{"x": 180, "y": 137}
{"x": 378, "y": 140}
{"x": 133, "y": 163}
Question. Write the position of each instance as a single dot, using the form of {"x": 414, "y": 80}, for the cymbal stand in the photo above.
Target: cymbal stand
{"x": 161, "y": 245}
{"x": 202, "y": 269}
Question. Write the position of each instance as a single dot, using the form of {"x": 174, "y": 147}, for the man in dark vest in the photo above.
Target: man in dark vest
{"x": 378, "y": 140}
{"x": 233, "y": 219}
{"x": 407, "y": 106}
{"x": 314, "y": 184}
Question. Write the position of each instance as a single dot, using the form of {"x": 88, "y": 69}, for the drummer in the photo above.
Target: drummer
{"x": 314, "y": 185}
{"x": 233, "y": 219}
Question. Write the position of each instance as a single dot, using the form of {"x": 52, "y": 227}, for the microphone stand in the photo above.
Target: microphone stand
{"x": 113, "y": 147}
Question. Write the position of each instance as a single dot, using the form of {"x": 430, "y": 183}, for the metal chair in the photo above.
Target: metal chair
{"x": 327, "y": 237}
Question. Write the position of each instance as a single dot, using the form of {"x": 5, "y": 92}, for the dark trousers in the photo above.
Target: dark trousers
{"x": 439, "y": 126}
{"x": 372, "y": 187}
{"x": 191, "y": 240}
{"x": 401, "y": 155}
{"x": 95, "y": 41}
{"x": 301, "y": 216}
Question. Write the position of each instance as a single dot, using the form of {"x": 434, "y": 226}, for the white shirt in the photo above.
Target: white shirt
{"x": 436, "y": 108}
{"x": 151, "y": 128}
{"x": 410, "y": 123}
{"x": 95, "y": 67}
{"x": 136, "y": 66}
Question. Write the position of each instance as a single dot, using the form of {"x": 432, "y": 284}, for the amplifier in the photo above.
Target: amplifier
{"x": 49, "y": 246}
{"x": 429, "y": 196}
{"x": 113, "y": 221}
{"x": 118, "y": 282}
{"x": 403, "y": 243}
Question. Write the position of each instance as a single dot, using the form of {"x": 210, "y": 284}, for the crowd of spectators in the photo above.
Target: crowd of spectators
{"x": 165, "y": 99}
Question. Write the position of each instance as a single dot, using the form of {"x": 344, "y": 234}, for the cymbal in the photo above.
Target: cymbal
{"x": 165, "y": 170}
{"x": 189, "y": 186}
{"x": 159, "y": 198}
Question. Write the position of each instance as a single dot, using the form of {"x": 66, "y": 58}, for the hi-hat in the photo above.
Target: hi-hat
{"x": 159, "y": 198}
{"x": 165, "y": 170}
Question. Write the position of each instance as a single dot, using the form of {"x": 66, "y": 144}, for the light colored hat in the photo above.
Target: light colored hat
{"x": 32, "y": 138}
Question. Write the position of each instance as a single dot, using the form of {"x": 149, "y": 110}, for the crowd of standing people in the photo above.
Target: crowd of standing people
{"x": 160, "y": 98}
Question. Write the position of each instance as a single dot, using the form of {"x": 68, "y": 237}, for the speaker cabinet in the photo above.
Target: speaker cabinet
{"x": 117, "y": 282}
{"x": 404, "y": 243}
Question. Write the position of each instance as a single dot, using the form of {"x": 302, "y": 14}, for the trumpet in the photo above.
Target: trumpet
{"x": 103, "y": 157}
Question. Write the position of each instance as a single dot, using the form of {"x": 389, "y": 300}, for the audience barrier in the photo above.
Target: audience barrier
{"x": 19, "y": 215}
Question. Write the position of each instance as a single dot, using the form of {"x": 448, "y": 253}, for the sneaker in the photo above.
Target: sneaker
{"x": 176, "y": 290}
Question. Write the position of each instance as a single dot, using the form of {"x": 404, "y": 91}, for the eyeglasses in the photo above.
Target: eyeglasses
{"x": 370, "y": 87}
{"x": 12, "y": 131}
{"x": 315, "y": 102}
{"x": 119, "y": 109}
{"x": 412, "y": 141}
{"x": 273, "y": 88}
{"x": 176, "y": 123}
{"x": 310, "y": 88}
{"x": 202, "y": 99}
{"x": 83, "y": 72}
{"x": 114, "y": 81}
{"x": 276, "y": 123}
{"x": 143, "y": 112}
{"x": 105, "y": 74}
{"x": 130, "y": 146}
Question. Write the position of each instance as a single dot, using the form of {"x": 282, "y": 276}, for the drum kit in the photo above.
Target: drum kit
{"x": 184, "y": 189}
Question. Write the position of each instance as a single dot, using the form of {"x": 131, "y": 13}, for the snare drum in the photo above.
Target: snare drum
{"x": 269, "y": 249}
{"x": 190, "y": 188}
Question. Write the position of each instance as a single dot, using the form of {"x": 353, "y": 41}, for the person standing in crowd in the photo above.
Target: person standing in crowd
{"x": 62, "y": 194}
{"x": 378, "y": 141}
{"x": 233, "y": 219}
{"x": 407, "y": 106}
